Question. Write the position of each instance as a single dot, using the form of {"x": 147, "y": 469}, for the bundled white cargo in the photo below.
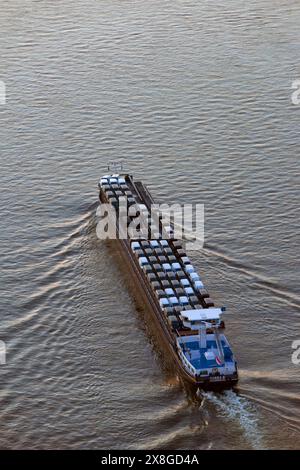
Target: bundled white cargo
{"x": 170, "y": 292}
{"x": 104, "y": 181}
{"x": 198, "y": 285}
{"x": 143, "y": 260}
{"x": 135, "y": 246}
{"x": 189, "y": 290}
{"x": 174, "y": 301}
{"x": 167, "y": 267}
{"x": 176, "y": 267}
{"x": 189, "y": 268}
{"x": 164, "y": 302}
{"x": 183, "y": 300}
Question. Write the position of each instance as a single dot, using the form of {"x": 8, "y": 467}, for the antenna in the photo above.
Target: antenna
{"x": 219, "y": 345}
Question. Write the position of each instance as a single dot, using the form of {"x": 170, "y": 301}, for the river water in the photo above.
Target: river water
{"x": 195, "y": 98}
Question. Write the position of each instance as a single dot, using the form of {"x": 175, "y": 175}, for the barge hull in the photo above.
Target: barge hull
{"x": 167, "y": 335}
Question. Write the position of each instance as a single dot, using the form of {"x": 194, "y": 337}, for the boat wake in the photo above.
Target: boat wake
{"x": 237, "y": 409}
{"x": 259, "y": 281}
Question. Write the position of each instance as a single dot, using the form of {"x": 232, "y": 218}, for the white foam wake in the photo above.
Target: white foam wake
{"x": 237, "y": 409}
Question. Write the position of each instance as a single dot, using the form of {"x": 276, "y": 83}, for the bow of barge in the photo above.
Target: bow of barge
{"x": 190, "y": 324}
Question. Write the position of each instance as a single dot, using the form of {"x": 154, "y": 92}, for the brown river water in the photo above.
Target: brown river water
{"x": 195, "y": 98}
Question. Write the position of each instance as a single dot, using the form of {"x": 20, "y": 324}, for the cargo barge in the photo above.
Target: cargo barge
{"x": 190, "y": 323}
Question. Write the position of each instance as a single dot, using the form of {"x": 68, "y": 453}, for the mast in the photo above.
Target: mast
{"x": 202, "y": 335}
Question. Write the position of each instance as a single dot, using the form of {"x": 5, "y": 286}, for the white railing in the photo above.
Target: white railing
{"x": 186, "y": 363}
